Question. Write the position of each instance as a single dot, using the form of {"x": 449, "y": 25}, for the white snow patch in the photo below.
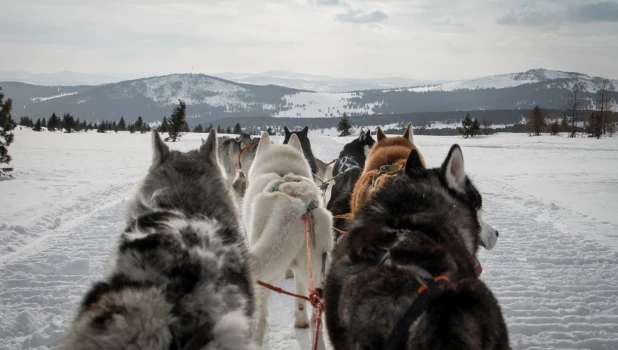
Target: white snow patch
{"x": 41, "y": 99}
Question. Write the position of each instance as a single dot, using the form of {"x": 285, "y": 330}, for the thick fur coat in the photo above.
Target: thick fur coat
{"x": 387, "y": 151}
{"x": 424, "y": 220}
{"x": 280, "y": 192}
{"x": 346, "y": 171}
{"x": 180, "y": 273}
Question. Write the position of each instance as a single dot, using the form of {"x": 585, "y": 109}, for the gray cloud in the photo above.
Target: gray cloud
{"x": 362, "y": 16}
{"x": 527, "y": 16}
{"x": 595, "y": 12}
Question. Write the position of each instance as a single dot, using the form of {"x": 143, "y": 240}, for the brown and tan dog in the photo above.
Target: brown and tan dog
{"x": 387, "y": 151}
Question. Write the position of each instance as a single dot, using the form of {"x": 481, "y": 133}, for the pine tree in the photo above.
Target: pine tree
{"x": 209, "y": 128}
{"x": 52, "y": 122}
{"x": 131, "y": 128}
{"x": 535, "y": 121}
{"x": 6, "y": 125}
{"x": 26, "y": 121}
{"x": 37, "y": 125}
{"x": 139, "y": 123}
{"x": 270, "y": 131}
{"x": 68, "y": 123}
{"x": 228, "y": 130}
{"x": 198, "y": 128}
{"x": 219, "y": 129}
{"x": 43, "y": 123}
{"x": 164, "y": 125}
{"x": 564, "y": 125}
{"x": 237, "y": 129}
{"x": 177, "y": 121}
{"x": 101, "y": 129}
{"x": 554, "y": 128}
{"x": 122, "y": 126}
{"x": 466, "y": 126}
{"x": 344, "y": 127}
{"x": 145, "y": 128}
{"x": 475, "y": 129}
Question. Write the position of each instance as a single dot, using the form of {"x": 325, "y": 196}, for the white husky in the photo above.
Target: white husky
{"x": 281, "y": 190}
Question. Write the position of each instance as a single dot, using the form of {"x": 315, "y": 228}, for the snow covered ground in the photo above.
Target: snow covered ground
{"x": 554, "y": 201}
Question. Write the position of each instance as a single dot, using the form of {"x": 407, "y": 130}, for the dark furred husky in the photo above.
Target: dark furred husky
{"x": 422, "y": 226}
{"x": 181, "y": 277}
{"x": 321, "y": 169}
{"x": 346, "y": 171}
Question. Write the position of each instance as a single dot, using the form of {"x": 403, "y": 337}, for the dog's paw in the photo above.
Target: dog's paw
{"x": 301, "y": 323}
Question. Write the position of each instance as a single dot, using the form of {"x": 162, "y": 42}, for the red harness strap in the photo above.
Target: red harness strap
{"x": 238, "y": 165}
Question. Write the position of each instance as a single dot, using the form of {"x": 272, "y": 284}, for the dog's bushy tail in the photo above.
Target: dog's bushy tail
{"x": 231, "y": 332}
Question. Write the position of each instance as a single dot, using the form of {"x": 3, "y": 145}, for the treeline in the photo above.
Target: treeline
{"x": 69, "y": 124}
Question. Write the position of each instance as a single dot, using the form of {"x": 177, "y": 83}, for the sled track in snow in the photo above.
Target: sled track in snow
{"x": 556, "y": 289}
{"x": 41, "y": 287}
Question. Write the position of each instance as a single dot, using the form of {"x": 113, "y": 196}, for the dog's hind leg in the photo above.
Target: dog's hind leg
{"x": 300, "y": 313}
{"x": 258, "y": 329}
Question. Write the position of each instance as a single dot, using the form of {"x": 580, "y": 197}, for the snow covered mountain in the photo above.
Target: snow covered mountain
{"x": 320, "y": 83}
{"x": 211, "y": 98}
{"x": 555, "y": 78}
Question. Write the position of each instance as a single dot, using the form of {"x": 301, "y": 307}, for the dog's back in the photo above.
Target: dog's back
{"x": 180, "y": 275}
{"x": 387, "y": 151}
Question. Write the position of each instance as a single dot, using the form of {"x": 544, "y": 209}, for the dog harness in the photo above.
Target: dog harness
{"x": 242, "y": 150}
{"x": 427, "y": 290}
{"x": 347, "y": 163}
{"x": 390, "y": 169}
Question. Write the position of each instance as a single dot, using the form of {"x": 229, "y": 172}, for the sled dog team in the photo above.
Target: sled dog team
{"x": 397, "y": 264}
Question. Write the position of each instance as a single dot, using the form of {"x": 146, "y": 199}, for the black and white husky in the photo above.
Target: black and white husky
{"x": 405, "y": 276}
{"x": 180, "y": 278}
{"x": 347, "y": 170}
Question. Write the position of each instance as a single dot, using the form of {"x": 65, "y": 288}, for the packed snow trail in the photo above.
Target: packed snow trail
{"x": 554, "y": 269}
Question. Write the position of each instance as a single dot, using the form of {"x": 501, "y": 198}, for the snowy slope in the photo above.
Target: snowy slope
{"x": 554, "y": 270}
{"x": 532, "y": 76}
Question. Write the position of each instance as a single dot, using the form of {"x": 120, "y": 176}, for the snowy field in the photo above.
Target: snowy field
{"x": 554, "y": 201}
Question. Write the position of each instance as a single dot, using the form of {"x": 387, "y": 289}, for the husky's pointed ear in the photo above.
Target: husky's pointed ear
{"x": 409, "y": 133}
{"x": 159, "y": 148}
{"x": 414, "y": 164}
{"x": 361, "y": 136}
{"x": 368, "y": 133}
{"x": 306, "y": 130}
{"x": 287, "y": 131}
{"x": 209, "y": 147}
{"x": 453, "y": 170}
{"x": 264, "y": 143}
{"x": 380, "y": 134}
{"x": 295, "y": 142}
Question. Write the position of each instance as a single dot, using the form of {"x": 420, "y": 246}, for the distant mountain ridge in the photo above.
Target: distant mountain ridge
{"x": 212, "y": 98}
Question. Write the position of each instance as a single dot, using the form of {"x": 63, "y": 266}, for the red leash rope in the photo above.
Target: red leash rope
{"x": 340, "y": 231}
{"x": 327, "y": 164}
{"x": 238, "y": 168}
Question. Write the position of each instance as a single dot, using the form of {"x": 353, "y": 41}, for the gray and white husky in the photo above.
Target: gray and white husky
{"x": 281, "y": 190}
{"x": 180, "y": 278}
{"x": 228, "y": 152}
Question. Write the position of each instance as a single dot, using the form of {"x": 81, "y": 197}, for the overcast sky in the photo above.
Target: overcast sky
{"x": 426, "y": 39}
